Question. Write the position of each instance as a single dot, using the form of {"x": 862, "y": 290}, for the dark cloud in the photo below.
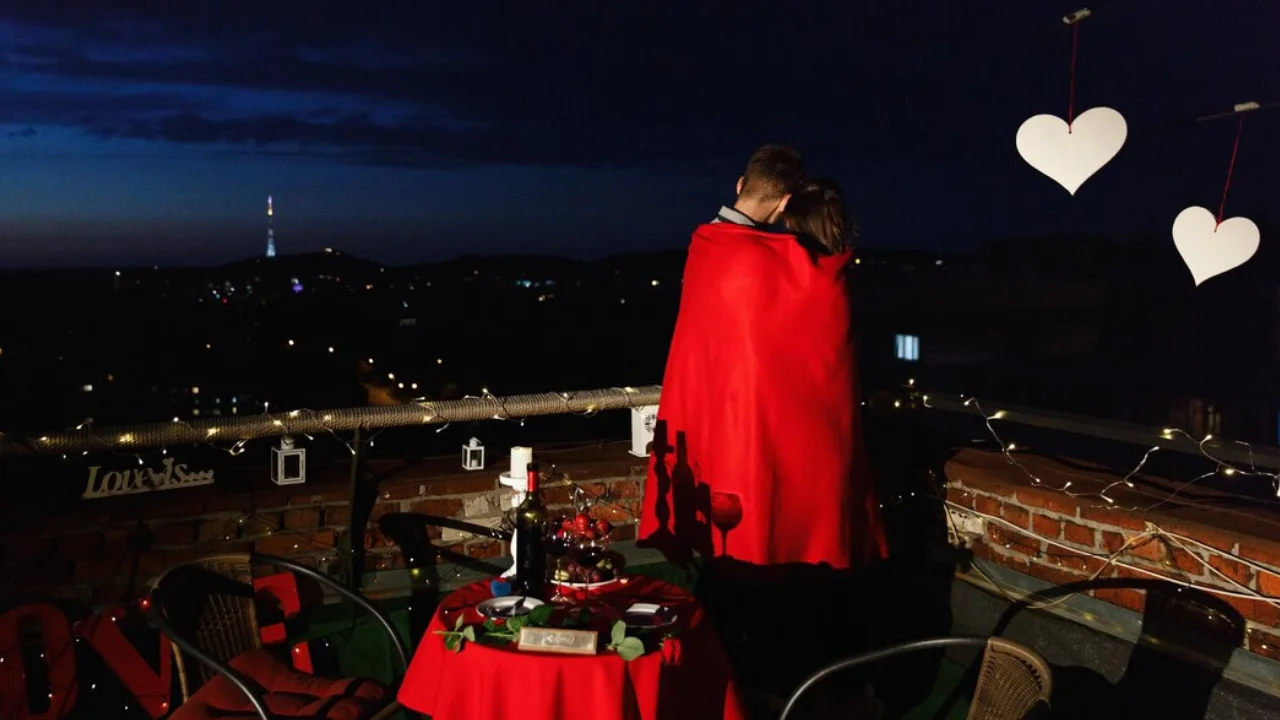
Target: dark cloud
{"x": 26, "y": 132}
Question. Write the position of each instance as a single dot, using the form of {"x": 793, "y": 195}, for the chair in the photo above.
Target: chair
{"x": 1013, "y": 683}
{"x": 206, "y": 608}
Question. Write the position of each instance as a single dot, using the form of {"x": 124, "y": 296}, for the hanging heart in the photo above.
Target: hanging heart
{"x": 1211, "y": 248}
{"x": 1071, "y": 155}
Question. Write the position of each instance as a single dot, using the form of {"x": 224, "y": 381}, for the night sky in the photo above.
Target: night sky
{"x": 151, "y": 131}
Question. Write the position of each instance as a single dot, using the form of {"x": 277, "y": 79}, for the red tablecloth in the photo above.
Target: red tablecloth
{"x": 689, "y": 677}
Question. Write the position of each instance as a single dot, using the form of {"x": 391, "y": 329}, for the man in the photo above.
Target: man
{"x": 757, "y": 432}
{"x": 773, "y": 173}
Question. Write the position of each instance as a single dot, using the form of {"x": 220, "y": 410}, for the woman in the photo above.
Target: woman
{"x": 817, "y": 216}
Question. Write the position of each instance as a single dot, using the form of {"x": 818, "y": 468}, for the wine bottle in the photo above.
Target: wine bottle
{"x": 531, "y": 533}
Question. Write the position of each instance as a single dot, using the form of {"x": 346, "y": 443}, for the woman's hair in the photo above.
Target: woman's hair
{"x": 816, "y": 209}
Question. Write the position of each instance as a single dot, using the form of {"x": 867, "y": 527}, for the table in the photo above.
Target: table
{"x": 688, "y": 677}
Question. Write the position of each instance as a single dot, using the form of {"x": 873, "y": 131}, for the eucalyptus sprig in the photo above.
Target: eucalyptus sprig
{"x": 628, "y": 648}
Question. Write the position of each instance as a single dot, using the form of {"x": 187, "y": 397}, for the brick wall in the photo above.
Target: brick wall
{"x": 109, "y": 550}
{"x": 1039, "y": 530}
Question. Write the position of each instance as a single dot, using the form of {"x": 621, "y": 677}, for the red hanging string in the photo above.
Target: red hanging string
{"x": 1071, "y": 94}
{"x": 1235, "y": 150}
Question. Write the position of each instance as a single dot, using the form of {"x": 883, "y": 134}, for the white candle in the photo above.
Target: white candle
{"x": 520, "y": 459}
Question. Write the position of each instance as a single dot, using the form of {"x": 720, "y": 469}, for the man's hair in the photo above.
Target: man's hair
{"x": 772, "y": 172}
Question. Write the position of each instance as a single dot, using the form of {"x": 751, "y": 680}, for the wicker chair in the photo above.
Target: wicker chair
{"x": 206, "y": 608}
{"x": 1013, "y": 682}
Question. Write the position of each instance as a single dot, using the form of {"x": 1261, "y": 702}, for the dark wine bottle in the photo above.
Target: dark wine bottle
{"x": 531, "y": 533}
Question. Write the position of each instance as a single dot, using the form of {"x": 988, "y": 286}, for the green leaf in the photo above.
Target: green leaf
{"x": 540, "y": 615}
{"x": 469, "y": 633}
{"x": 461, "y": 619}
{"x": 618, "y": 633}
{"x": 490, "y": 625}
{"x": 452, "y": 641}
{"x": 630, "y": 648}
{"x": 515, "y": 623}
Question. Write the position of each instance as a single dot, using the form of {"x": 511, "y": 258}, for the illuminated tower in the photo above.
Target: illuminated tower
{"x": 271, "y": 231}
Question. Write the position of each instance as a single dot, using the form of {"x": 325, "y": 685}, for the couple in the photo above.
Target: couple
{"x": 759, "y": 414}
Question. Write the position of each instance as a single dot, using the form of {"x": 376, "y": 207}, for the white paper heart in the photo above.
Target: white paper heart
{"x": 1211, "y": 249}
{"x": 1069, "y": 156}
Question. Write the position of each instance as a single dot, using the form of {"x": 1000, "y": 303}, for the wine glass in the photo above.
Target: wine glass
{"x": 726, "y": 514}
{"x": 589, "y": 550}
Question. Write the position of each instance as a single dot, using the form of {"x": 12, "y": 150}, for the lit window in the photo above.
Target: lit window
{"x": 908, "y": 348}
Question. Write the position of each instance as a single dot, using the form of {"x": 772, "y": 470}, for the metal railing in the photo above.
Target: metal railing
{"x": 132, "y": 438}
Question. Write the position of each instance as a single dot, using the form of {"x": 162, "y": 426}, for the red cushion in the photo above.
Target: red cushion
{"x": 289, "y": 693}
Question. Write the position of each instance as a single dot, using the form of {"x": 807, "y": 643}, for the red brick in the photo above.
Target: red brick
{"x": 399, "y": 490}
{"x": 260, "y": 524}
{"x": 1187, "y": 562}
{"x": 81, "y": 545}
{"x": 1016, "y": 515}
{"x": 172, "y": 534}
{"x": 152, "y": 563}
{"x": 440, "y": 507}
{"x": 1219, "y": 538}
{"x": 1112, "y": 542}
{"x": 1082, "y": 563}
{"x": 1264, "y": 643}
{"x": 321, "y": 496}
{"x": 557, "y": 495}
{"x": 302, "y": 543}
{"x": 1135, "y": 600}
{"x": 624, "y": 532}
{"x": 229, "y": 502}
{"x": 462, "y": 485}
{"x": 1233, "y": 569}
{"x": 1050, "y": 500}
{"x": 174, "y": 558}
{"x": 1046, "y": 526}
{"x": 1149, "y": 549}
{"x": 615, "y": 513}
{"x": 1259, "y": 551}
{"x": 302, "y": 518}
{"x": 1262, "y": 613}
{"x": 1013, "y": 540}
{"x": 100, "y": 569}
{"x": 629, "y": 488}
{"x": 1021, "y": 563}
{"x": 337, "y": 515}
{"x": 1269, "y": 584}
{"x": 1080, "y": 534}
{"x": 1114, "y": 518}
{"x": 485, "y": 549}
{"x": 218, "y": 530}
{"x": 274, "y": 498}
{"x": 1056, "y": 575}
{"x": 986, "y": 505}
{"x": 188, "y": 508}
{"x": 374, "y": 539}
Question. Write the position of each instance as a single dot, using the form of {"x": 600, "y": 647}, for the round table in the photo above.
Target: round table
{"x": 687, "y": 677}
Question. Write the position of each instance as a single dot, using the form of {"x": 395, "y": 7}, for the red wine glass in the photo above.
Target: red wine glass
{"x": 726, "y": 514}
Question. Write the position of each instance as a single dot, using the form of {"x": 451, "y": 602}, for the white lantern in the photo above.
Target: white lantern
{"x": 643, "y": 420}
{"x": 473, "y": 455}
{"x": 288, "y": 463}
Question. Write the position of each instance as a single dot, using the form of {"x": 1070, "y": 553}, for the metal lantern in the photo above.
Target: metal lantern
{"x": 288, "y": 463}
{"x": 473, "y": 455}
{"x": 643, "y": 421}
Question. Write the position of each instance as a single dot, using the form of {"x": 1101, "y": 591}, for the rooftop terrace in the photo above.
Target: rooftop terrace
{"x": 992, "y": 511}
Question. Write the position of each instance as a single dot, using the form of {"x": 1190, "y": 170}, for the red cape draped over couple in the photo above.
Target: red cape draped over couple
{"x": 759, "y": 432}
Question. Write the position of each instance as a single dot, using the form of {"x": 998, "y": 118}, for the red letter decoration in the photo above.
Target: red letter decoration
{"x": 284, "y": 587}
{"x": 149, "y": 687}
{"x": 59, "y": 656}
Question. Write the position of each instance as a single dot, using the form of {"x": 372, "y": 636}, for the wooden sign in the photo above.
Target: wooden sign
{"x": 142, "y": 479}
{"x": 557, "y": 640}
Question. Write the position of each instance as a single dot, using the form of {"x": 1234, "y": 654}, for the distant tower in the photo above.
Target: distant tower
{"x": 271, "y": 231}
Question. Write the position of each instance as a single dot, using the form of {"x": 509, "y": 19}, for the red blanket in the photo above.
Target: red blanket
{"x": 759, "y": 412}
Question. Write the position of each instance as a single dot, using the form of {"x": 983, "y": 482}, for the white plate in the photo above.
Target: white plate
{"x": 586, "y": 586}
{"x": 502, "y": 608}
{"x": 649, "y": 616}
